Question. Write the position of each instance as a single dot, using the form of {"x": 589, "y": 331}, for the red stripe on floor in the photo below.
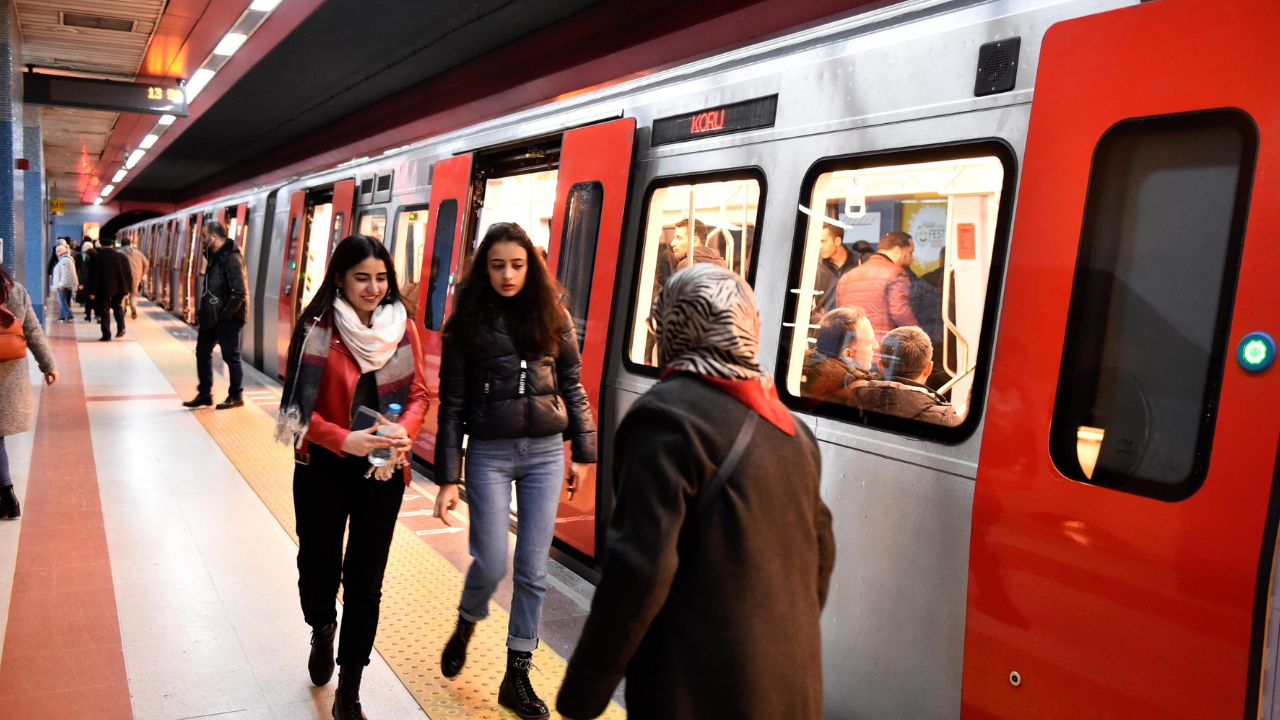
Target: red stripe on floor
{"x": 62, "y": 652}
{"x": 119, "y": 398}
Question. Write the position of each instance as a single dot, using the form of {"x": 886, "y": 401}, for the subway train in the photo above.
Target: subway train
{"x": 1095, "y": 534}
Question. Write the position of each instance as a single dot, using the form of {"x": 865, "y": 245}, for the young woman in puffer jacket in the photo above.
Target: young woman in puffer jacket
{"x": 509, "y": 379}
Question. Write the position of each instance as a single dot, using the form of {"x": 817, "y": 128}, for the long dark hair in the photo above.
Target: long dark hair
{"x": 6, "y": 282}
{"x": 353, "y": 250}
{"x": 536, "y": 317}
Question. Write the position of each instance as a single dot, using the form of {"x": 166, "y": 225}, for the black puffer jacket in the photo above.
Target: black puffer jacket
{"x": 226, "y": 287}
{"x": 498, "y": 394}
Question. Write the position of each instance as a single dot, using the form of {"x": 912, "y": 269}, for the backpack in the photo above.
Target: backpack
{"x": 13, "y": 342}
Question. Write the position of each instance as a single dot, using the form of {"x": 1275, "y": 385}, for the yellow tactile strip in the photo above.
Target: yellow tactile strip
{"x": 421, "y": 589}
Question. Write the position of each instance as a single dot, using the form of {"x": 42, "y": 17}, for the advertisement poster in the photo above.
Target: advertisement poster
{"x": 926, "y": 222}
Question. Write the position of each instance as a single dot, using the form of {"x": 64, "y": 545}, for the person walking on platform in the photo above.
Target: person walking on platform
{"x": 19, "y": 332}
{"x": 223, "y": 312}
{"x": 111, "y": 277}
{"x": 720, "y": 549}
{"x": 88, "y": 253}
{"x": 353, "y": 351}
{"x": 65, "y": 281}
{"x": 510, "y": 380}
{"x": 139, "y": 265}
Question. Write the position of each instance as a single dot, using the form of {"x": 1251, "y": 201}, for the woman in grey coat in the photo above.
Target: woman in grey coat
{"x": 16, "y": 406}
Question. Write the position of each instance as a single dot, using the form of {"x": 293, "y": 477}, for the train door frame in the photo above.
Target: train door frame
{"x": 257, "y": 303}
{"x": 1101, "y": 595}
{"x": 341, "y": 196}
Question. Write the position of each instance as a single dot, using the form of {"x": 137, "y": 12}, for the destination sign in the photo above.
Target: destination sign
{"x": 74, "y": 92}
{"x": 722, "y": 120}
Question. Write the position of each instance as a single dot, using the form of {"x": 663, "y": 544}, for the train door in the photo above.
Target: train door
{"x": 234, "y": 219}
{"x": 1124, "y": 514}
{"x": 586, "y": 230}
{"x": 192, "y": 268}
{"x": 451, "y": 199}
{"x": 318, "y": 219}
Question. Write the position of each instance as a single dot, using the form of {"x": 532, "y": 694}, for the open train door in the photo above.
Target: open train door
{"x": 450, "y": 207}
{"x": 586, "y": 230}
{"x": 1125, "y": 506}
{"x": 194, "y": 269}
{"x": 289, "y": 272}
{"x": 241, "y": 233}
{"x": 344, "y": 202}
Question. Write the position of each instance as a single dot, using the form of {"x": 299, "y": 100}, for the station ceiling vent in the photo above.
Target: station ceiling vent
{"x": 98, "y": 22}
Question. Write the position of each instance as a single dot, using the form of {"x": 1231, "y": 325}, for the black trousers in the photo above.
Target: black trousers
{"x": 328, "y": 494}
{"x": 226, "y": 335}
{"x": 114, "y": 304}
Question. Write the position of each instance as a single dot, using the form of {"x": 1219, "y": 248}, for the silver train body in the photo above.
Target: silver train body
{"x": 894, "y": 78}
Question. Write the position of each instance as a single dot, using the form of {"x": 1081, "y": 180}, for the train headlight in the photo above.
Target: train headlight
{"x": 1256, "y": 352}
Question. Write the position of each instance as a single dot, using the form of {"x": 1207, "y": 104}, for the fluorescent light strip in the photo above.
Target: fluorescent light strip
{"x": 166, "y": 120}
{"x": 97, "y": 201}
{"x": 119, "y": 175}
{"x": 230, "y": 43}
{"x": 264, "y": 5}
{"x": 134, "y": 158}
{"x": 198, "y": 81}
{"x": 108, "y": 190}
{"x": 148, "y": 141}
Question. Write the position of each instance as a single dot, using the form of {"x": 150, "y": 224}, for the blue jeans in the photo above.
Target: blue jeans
{"x": 536, "y": 465}
{"x": 64, "y": 303}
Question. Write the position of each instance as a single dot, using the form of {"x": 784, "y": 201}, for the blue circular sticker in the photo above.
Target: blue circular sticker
{"x": 1256, "y": 352}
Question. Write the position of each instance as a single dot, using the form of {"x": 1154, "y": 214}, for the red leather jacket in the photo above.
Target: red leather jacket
{"x": 331, "y": 415}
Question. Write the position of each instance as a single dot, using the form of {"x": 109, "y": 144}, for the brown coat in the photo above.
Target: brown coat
{"x": 16, "y": 404}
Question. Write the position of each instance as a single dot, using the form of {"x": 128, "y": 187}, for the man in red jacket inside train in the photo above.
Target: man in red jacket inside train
{"x": 880, "y": 285}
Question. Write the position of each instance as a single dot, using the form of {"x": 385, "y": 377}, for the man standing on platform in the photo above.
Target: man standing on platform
{"x": 139, "y": 264}
{"x": 224, "y": 310}
{"x": 107, "y": 286}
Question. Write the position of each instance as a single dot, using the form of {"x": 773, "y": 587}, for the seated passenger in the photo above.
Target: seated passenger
{"x": 906, "y": 356}
{"x": 713, "y": 584}
{"x": 836, "y": 260}
{"x": 700, "y": 252}
{"x": 842, "y": 358}
{"x": 881, "y": 286}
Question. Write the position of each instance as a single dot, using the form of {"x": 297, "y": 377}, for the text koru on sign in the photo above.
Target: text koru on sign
{"x": 720, "y": 120}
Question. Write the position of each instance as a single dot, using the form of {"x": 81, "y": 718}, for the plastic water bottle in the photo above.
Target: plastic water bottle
{"x": 382, "y": 456}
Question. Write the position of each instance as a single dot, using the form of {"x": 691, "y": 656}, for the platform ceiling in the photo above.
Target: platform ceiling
{"x": 347, "y": 55}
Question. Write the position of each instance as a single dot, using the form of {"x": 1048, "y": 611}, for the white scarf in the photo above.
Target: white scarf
{"x": 372, "y": 346}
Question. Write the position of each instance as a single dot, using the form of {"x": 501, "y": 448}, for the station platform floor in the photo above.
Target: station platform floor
{"x": 152, "y": 573}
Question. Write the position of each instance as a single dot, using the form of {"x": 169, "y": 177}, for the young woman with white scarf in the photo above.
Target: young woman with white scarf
{"x": 352, "y": 348}
{"x": 510, "y": 380}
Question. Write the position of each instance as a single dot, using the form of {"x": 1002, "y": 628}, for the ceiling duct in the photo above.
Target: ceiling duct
{"x": 97, "y": 22}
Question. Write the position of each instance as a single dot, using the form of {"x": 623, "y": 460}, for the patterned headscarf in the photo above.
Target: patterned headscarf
{"x": 706, "y": 322}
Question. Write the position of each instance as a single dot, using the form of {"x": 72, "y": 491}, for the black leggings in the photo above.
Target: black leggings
{"x": 326, "y": 493}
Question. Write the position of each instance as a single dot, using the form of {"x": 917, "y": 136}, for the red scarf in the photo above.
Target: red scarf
{"x": 760, "y": 395}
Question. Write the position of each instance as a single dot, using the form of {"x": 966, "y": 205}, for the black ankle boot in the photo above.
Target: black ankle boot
{"x": 9, "y": 507}
{"x": 516, "y": 693}
{"x": 455, "y": 651}
{"x": 346, "y": 702}
{"x": 321, "y": 663}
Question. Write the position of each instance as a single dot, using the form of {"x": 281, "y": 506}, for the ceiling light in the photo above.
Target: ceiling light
{"x": 148, "y": 141}
{"x": 108, "y": 190}
{"x": 264, "y": 5}
{"x": 198, "y": 81}
{"x": 97, "y": 201}
{"x": 119, "y": 175}
{"x": 134, "y": 158}
{"x": 166, "y": 120}
{"x": 230, "y": 43}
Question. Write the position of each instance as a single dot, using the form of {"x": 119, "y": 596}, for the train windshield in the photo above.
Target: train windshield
{"x": 713, "y": 222}
{"x": 526, "y": 200}
{"x": 892, "y": 288}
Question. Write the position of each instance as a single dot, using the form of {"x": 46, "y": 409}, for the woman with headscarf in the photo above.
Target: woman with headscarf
{"x": 720, "y": 548}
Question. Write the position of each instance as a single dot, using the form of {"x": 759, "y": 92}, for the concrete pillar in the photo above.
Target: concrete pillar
{"x": 36, "y": 245}
{"x": 11, "y": 148}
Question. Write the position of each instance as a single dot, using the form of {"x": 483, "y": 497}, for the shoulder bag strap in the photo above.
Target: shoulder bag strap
{"x": 730, "y": 461}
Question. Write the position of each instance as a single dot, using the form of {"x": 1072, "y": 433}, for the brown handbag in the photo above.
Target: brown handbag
{"x": 13, "y": 342}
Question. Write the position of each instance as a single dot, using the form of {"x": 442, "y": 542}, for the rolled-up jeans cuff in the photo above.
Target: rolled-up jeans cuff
{"x": 472, "y": 618}
{"x": 521, "y": 644}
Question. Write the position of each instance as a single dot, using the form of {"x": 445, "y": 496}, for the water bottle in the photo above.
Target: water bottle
{"x": 382, "y": 456}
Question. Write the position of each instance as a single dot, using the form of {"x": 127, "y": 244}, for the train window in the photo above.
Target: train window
{"x": 578, "y": 249}
{"x": 889, "y": 288}
{"x": 526, "y": 200}
{"x": 318, "y": 251}
{"x": 373, "y": 223}
{"x": 1150, "y": 311}
{"x": 440, "y": 277}
{"x": 409, "y": 242}
{"x": 724, "y": 209}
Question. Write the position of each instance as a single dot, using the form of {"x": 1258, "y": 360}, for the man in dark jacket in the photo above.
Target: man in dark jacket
{"x": 222, "y": 314}
{"x": 842, "y": 358}
{"x": 109, "y": 283}
{"x": 687, "y": 251}
{"x": 835, "y": 260}
{"x": 906, "y": 354}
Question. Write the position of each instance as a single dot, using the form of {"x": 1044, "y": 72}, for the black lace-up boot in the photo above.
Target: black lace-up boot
{"x": 321, "y": 663}
{"x": 516, "y": 693}
{"x": 9, "y": 506}
{"x": 455, "y": 651}
{"x": 346, "y": 702}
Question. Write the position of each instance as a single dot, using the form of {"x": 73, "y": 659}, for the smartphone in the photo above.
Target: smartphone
{"x": 364, "y": 419}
